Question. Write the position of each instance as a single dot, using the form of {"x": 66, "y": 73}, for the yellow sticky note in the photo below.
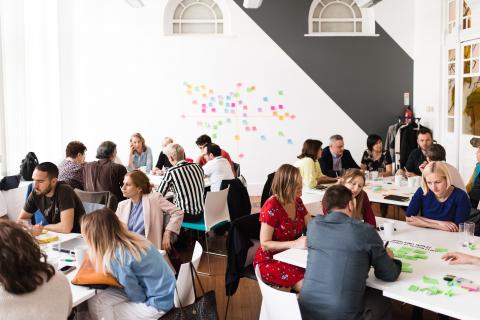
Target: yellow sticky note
{"x": 237, "y": 137}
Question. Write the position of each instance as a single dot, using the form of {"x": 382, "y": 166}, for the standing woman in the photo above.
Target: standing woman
{"x": 375, "y": 158}
{"x": 140, "y": 155}
{"x": 27, "y": 281}
{"x": 283, "y": 218}
{"x": 309, "y": 166}
{"x": 354, "y": 180}
{"x": 148, "y": 282}
{"x": 143, "y": 211}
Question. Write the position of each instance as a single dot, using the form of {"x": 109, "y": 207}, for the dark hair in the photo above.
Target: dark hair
{"x": 74, "y": 148}
{"x": 50, "y": 168}
{"x": 140, "y": 180}
{"x": 106, "y": 149}
{"x": 203, "y": 140}
{"x": 436, "y": 153}
{"x": 214, "y": 149}
{"x": 337, "y": 197}
{"x": 23, "y": 266}
{"x": 425, "y": 131}
{"x": 372, "y": 140}
{"x": 310, "y": 149}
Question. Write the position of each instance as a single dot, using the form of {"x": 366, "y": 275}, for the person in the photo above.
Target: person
{"x": 59, "y": 204}
{"x": 143, "y": 211}
{"x": 162, "y": 161}
{"x": 354, "y": 180}
{"x": 375, "y": 158}
{"x": 217, "y": 168}
{"x": 442, "y": 205}
{"x": 341, "y": 250}
{"x": 70, "y": 170}
{"x": 473, "y": 184}
{"x": 105, "y": 174}
{"x": 461, "y": 258}
{"x": 283, "y": 218}
{"x": 437, "y": 153}
{"x": 27, "y": 281}
{"x": 417, "y": 157}
{"x": 309, "y": 166}
{"x": 187, "y": 183}
{"x": 148, "y": 282}
{"x": 201, "y": 143}
{"x": 140, "y": 155}
{"x": 336, "y": 158}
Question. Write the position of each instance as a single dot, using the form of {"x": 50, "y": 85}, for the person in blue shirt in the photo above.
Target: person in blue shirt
{"x": 148, "y": 282}
{"x": 441, "y": 205}
{"x": 140, "y": 155}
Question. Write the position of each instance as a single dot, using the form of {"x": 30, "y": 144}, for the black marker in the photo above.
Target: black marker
{"x": 386, "y": 244}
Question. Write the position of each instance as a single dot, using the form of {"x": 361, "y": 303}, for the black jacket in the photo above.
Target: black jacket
{"x": 238, "y": 199}
{"x": 267, "y": 189}
{"x": 326, "y": 162}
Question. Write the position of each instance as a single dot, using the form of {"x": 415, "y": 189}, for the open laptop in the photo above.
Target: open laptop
{"x": 70, "y": 245}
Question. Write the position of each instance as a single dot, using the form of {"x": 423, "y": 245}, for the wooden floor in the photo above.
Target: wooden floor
{"x": 245, "y": 304}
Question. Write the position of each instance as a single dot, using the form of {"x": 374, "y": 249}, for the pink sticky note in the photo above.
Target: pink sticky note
{"x": 245, "y": 115}
{"x": 240, "y": 101}
{"x": 194, "y": 102}
{"x": 241, "y": 155}
{"x": 292, "y": 116}
{"x": 239, "y": 84}
{"x": 259, "y": 109}
{"x": 232, "y": 110}
{"x": 232, "y": 104}
{"x": 247, "y": 128}
{"x": 254, "y": 128}
{"x": 280, "y": 106}
{"x": 272, "y": 108}
{"x": 204, "y": 105}
{"x": 182, "y": 116}
{"x": 204, "y": 110}
{"x": 214, "y": 110}
{"x": 245, "y": 107}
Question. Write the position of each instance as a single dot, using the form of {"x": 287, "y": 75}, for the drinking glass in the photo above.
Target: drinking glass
{"x": 469, "y": 233}
{"x": 461, "y": 234}
{"x": 381, "y": 172}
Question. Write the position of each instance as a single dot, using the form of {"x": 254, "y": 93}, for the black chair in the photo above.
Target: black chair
{"x": 267, "y": 189}
{"x": 238, "y": 199}
{"x": 236, "y": 167}
{"x": 96, "y": 200}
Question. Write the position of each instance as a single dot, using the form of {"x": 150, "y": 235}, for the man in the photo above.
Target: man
{"x": 186, "y": 181}
{"x": 162, "y": 161}
{"x": 341, "y": 250}
{"x": 217, "y": 168}
{"x": 202, "y": 142}
{"x": 71, "y": 169}
{"x": 437, "y": 153}
{"x": 335, "y": 158}
{"x": 105, "y": 174}
{"x": 417, "y": 157}
{"x": 56, "y": 200}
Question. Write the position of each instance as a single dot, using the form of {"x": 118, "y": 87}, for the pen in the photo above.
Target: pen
{"x": 386, "y": 244}
{"x": 69, "y": 260}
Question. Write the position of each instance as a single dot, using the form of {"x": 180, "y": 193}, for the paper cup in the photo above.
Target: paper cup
{"x": 411, "y": 182}
{"x": 398, "y": 180}
{"x": 388, "y": 227}
{"x": 80, "y": 253}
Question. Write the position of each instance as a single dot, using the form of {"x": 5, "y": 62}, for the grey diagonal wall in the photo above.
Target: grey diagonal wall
{"x": 365, "y": 76}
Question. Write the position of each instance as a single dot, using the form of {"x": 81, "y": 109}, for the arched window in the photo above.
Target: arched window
{"x": 340, "y": 18}
{"x": 197, "y": 17}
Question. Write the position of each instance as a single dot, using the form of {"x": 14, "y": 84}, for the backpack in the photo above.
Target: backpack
{"x": 28, "y": 165}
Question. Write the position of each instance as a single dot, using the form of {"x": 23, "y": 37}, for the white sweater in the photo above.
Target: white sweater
{"x": 50, "y": 301}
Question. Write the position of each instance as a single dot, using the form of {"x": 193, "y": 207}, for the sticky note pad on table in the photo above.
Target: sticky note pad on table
{"x": 407, "y": 269}
{"x": 419, "y": 251}
{"x": 413, "y": 288}
{"x": 421, "y": 256}
{"x": 429, "y": 280}
{"x": 441, "y": 250}
{"x": 410, "y": 257}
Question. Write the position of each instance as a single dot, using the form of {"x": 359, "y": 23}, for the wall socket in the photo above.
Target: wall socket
{"x": 429, "y": 108}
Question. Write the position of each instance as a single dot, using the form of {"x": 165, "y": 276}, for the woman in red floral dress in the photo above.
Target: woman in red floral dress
{"x": 283, "y": 218}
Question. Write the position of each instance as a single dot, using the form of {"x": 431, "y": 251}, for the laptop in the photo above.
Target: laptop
{"x": 70, "y": 245}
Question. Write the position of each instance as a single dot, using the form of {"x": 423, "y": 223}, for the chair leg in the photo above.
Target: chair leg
{"x": 209, "y": 273}
{"x": 226, "y": 310}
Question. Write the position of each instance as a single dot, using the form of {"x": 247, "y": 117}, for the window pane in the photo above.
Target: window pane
{"x": 176, "y": 28}
{"x": 475, "y": 49}
{"x": 471, "y": 102}
{"x": 219, "y": 28}
{"x": 359, "y": 27}
{"x": 187, "y": 2}
{"x": 466, "y": 67}
{"x": 337, "y": 26}
{"x": 356, "y": 9}
{"x": 451, "y": 124}
{"x": 198, "y": 12}
{"x": 315, "y": 27}
{"x": 451, "y": 55}
{"x": 178, "y": 13}
{"x": 198, "y": 28}
{"x": 474, "y": 66}
{"x": 316, "y": 11}
{"x": 451, "y": 69}
{"x": 451, "y": 11}
{"x": 451, "y": 97}
{"x": 467, "y": 52}
{"x": 208, "y": 2}
{"x": 337, "y": 10}
{"x": 218, "y": 12}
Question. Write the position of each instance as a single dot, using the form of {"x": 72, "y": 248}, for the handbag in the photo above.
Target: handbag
{"x": 10, "y": 182}
{"x": 204, "y": 307}
{"x": 89, "y": 277}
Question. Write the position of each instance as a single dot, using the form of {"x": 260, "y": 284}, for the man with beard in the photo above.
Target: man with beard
{"x": 56, "y": 200}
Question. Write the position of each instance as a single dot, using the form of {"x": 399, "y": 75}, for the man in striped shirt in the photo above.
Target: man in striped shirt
{"x": 186, "y": 180}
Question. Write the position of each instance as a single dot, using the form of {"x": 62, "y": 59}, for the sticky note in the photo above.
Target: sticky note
{"x": 449, "y": 293}
{"x": 204, "y": 110}
{"x": 287, "y": 114}
{"x": 274, "y": 113}
{"x": 220, "y": 103}
{"x": 259, "y": 109}
{"x": 245, "y": 107}
{"x": 292, "y": 116}
{"x": 239, "y": 84}
{"x": 263, "y": 137}
{"x": 432, "y": 291}
{"x": 244, "y": 122}
{"x": 228, "y": 98}
{"x": 210, "y": 92}
{"x": 232, "y": 110}
{"x": 280, "y": 92}
{"x": 290, "y": 141}
{"x": 429, "y": 280}
{"x": 413, "y": 288}
{"x": 197, "y": 88}
{"x": 472, "y": 246}
{"x": 407, "y": 269}
{"x": 280, "y": 106}
{"x": 204, "y": 95}
{"x": 254, "y": 128}
{"x": 236, "y": 137}
{"x": 265, "y": 99}
{"x": 203, "y": 87}
{"x": 232, "y": 104}
{"x": 236, "y": 95}
{"x": 410, "y": 257}
{"x": 204, "y": 105}
{"x": 225, "y": 110}
{"x": 214, "y": 110}
{"x": 441, "y": 250}
{"x": 189, "y": 92}
{"x": 407, "y": 249}
{"x": 194, "y": 102}
{"x": 252, "y": 87}
{"x": 272, "y": 108}
{"x": 420, "y": 251}
{"x": 280, "y": 133}
{"x": 241, "y": 155}
{"x": 240, "y": 102}
{"x": 210, "y": 104}
{"x": 281, "y": 118}
{"x": 421, "y": 256}
{"x": 220, "y": 122}
{"x": 228, "y": 120}
{"x": 245, "y": 115}
{"x": 215, "y": 127}
{"x": 214, "y": 136}
{"x": 247, "y": 128}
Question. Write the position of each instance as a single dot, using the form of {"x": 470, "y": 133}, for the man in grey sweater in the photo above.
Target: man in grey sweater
{"x": 340, "y": 252}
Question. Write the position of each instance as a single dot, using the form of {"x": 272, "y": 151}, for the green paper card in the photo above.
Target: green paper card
{"x": 429, "y": 280}
{"x": 413, "y": 288}
{"x": 441, "y": 250}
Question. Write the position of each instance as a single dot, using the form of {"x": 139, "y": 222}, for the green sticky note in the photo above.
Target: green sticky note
{"x": 429, "y": 280}
{"x": 472, "y": 246}
{"x": 399, "y": 255}
{"x": 410, "y": 257}
{"x": 441, "y": 250}
{"x": 421, "y": 256}
{"x": 420, "y": 251}
{"x": 413, "y": 288}
{"x": 407, "y": 269}
{"x": 449, "y": 293}
{"x": 406, "y": 249}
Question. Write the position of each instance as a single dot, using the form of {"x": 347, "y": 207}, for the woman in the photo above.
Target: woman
{"x": 27, "y": 281}
{"x": 148, "y": 282}
{"x": 143, "y": 211}
{"x": 375, "y": 158}
{"x": 442, "y": 205}
{"x": 354, "y": 180}
{"x": 309, "y": 166}
{"x": 140, "y": 155}
{"x": 283, "y": 218}
{"x": 70, "y": 170}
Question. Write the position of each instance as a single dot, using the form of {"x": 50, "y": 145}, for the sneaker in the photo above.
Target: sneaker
{"x": 475, "y": 142}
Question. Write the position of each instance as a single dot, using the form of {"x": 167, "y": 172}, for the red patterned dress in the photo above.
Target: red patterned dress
{"x": 284, "y": 229}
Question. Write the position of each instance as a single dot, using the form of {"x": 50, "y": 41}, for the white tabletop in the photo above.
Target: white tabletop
{"x": 462, "y": 305}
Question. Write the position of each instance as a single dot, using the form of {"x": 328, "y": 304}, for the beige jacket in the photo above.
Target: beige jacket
{"x": 155, "y": 206}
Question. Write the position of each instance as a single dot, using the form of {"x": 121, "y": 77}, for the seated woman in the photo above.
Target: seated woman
{"x": 375, "y": 158}
{"x": 442, "y": 206}
{"x": 27, "y": 281}
{"x": 354, "y": 180}
{"x": 283, "y": 218}
{"x": 309, "y": 166}
{"x": 70, "y": 170}
{"x": 148, "y": 282}
{"x": 162, "y": 163}
{"x": 143, "y": 211}
{"x": 140, "y": 155}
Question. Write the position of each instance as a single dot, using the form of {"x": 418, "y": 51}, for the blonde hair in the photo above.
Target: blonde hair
{"x": 108, "y": 240}
{"x": 142, "y": 140}
{"x": 285, "y": 182}
{"x": 438, "y": 168}
{"x": 349, "y": 175}
{"x": 175, "y": 151}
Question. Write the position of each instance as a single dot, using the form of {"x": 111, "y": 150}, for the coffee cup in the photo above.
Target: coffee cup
{"x": 398, "y": 180}
{"x": 388, "y": 227}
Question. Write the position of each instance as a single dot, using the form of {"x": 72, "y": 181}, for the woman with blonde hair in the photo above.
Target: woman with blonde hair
{"x": 354, "y": 180}
{"x": 148, "y": 282}
{"x": 283, "y": 218}
{"x": 140, "y": 155}
{"x": 144, "y": 211}
{"x": 442, "y": 206}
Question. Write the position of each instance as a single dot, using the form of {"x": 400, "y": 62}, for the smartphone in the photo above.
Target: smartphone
{"x": 67, "y": 269}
